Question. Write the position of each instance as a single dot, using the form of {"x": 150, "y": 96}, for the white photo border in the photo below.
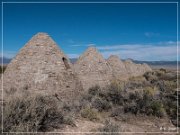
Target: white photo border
{"x": 2, "y": 3}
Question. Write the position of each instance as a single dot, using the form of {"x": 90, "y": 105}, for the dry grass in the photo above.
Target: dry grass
{"x": 33, "y": 114}
{"x": 44, "y": 113}
{"x": 110, "y": 128}
{"x": 90, "y": 113}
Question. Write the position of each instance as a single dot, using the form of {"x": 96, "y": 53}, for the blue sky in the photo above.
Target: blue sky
{"x": 138, "y": 31}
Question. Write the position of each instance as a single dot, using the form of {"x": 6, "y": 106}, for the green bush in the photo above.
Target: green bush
{"x": 157, "y": 108}
{"x": 171, "y": 107}
{"x": 145, "y": 104}
{"x": 115, "y": 94}
{"x": 101, "y": 104}
{"x": 90, "y": 114}
{"x": 170, "y": 85}
{"x": 150, "y": 91}
{"x": 147, "y": 100}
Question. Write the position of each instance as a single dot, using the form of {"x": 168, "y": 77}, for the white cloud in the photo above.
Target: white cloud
{"x": 123, "y": 46}
{"x": 159, "y": 51}
{"x": 76, "y": 45}
{"x": 84, "y": 45}
{"x": 11, "y": 54}
{"x": 73, "y": 55}
{"x": 8, "y": 54}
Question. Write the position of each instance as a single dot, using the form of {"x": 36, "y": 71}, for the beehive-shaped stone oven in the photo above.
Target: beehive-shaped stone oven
{"x": 119, "y": 70}
{"x": 41, "y": 67}
{"x": 134, "y": 69}
{"x": 93, "y": 69}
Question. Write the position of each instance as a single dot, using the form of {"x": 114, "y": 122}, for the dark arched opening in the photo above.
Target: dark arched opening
{"x": 66, "y": 63}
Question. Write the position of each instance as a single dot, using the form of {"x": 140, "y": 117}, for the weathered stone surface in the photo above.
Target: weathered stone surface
{"x": 93, "y": 69}
{"x": 146, "y": 67}
{"x": 119, "y": 70}
{"x": 124, "y": 70}
{"x": 41, "y": 67}
{"x": 136, "y": 69}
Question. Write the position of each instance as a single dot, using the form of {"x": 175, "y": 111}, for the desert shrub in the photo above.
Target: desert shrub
{"x": 150, "y": 106}
{"x": 134, "y": 84}
{"x": 137, "y": 83}
{"x": 90, "y": 113}
{"x": 161, "y": 86}
{"x": 163, "y": 70}
{"x": 94, "y": 90}
{"x": 84, "y": 103}
{"x": 115, "y": 94}
{"x": 157, "y": 108}
{"x": 171, "y": 107}
{"x": 87, "y": 97}
{"x": 137, "y": 78}
{"x": 131, "y": 107}
{"x": 147, "y": 75}
{"x": 101, "y": 104}
{"x": 151, "y": 76}
{"x": 109, "y": 127}
{"x": 132, "y": 96}
{"x": 170, "y": 104}
{"x": 151, "y": 91}
{"x": 170, "y": 85}
{"x": 116, "y": 85}
{"x": 159, "y": 73}
{"x": 96, "y": 98}
{"x": 117, "y": 111}
{"x": 168, "y": 76}
{"x": 135, "y": 96}
{"x": 143, "y": 103}
{"x": 68, "y": 120}
{"x": 41, "y": 113}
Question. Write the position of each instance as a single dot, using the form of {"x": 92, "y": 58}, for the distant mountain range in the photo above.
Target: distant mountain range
{"x": 153, "y": 63}
{"x": 5, "y": 60}
{"x": 157, "y": 62}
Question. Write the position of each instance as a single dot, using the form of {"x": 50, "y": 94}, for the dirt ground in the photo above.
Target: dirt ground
{"x": 138, "y": 125}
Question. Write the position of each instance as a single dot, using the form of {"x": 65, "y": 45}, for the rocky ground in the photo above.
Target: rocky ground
{"x": 137, "y": 125}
